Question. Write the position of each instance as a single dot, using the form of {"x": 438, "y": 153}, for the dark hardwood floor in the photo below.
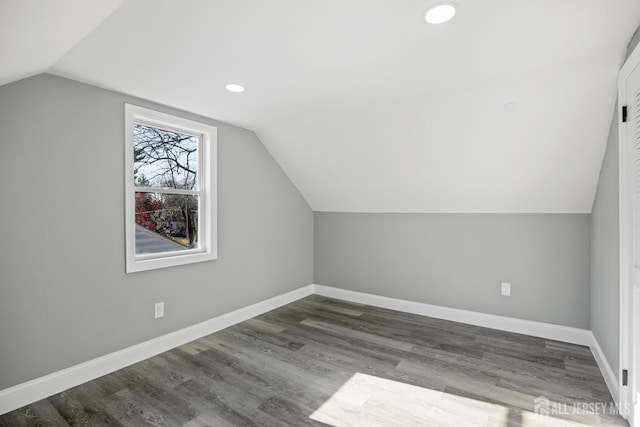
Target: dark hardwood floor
{"x": 321, "y": 361}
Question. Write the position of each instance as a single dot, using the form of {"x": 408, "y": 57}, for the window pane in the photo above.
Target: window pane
{"x": 165, "y": 222}
{"x": 164, "y": 158}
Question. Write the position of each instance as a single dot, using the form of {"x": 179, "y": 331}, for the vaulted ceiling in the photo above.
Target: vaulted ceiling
{"x": 34, "y": 34}
{"x": 505, "y": 108}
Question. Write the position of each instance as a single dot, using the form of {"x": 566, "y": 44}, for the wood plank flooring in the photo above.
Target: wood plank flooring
{"x": 321, "y": 361}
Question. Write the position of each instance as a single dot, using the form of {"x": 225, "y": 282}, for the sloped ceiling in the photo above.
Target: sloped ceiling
{"x": 369, "y": 109}
{"x": 34, "y": 33}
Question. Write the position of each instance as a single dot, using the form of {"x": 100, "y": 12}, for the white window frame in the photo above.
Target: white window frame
{"x": 206, "y": 177}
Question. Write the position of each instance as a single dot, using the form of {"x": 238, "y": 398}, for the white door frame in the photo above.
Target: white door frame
{"x": 626, "y": 177}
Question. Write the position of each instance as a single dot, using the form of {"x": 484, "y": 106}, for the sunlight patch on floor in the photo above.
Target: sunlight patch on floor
{"x": 366, "y": 400}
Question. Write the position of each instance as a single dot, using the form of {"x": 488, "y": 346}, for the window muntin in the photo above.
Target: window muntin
{"x": 170, "y": 202}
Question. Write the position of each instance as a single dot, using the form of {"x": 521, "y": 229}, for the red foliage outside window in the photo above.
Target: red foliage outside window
{"x": 146, "y": 207}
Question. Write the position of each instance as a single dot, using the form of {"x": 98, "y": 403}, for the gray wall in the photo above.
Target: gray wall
{"x": 605, "y": 249}
{"x": 605, "y": 254}
{"x": 64, "y": 295}
{"x": 460, "y": 260}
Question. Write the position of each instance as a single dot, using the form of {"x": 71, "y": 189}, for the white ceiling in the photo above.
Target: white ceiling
{"x": 34, "y": 33}
{"x": 366, "y": 107}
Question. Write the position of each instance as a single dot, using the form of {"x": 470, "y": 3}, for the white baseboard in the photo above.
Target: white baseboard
{"x": 609, "y": 375}
{"x": 39, "y": 388}
{"x": 503, "y": 323}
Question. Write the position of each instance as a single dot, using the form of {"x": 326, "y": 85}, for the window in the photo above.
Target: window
{"x": 170, "y": 190}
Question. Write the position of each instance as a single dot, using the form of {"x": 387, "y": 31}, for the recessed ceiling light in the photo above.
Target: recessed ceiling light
{"x": 439, "y": 13}
{"x": 234, "y": 87}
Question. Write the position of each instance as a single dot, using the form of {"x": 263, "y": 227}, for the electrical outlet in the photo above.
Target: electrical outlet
{"x": 159, "y": 311}
{"x": 506, "y": 289}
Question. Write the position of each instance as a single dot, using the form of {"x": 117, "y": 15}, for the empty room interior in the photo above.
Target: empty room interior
{"x": 320, "y": 213}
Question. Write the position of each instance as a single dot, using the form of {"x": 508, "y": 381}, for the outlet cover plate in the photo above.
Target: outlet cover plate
{"x": 159, "y": 310}
{"x": 506, "y": 289}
